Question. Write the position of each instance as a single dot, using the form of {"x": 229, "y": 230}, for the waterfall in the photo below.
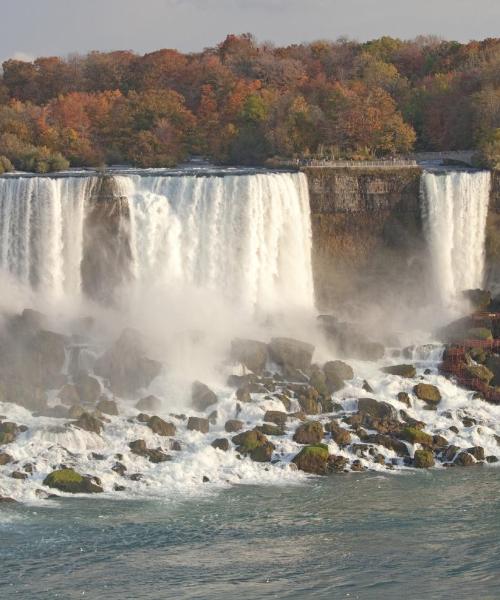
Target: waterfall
{"x": 245, "y": 237}
{"x": 455, "y": 207}
{"x": 41, "y": 231}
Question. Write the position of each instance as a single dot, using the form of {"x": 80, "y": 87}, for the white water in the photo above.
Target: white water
{"x": 248, "y": 236}
{"x": 455, "y": 207}
{"x": 41, "y": 231}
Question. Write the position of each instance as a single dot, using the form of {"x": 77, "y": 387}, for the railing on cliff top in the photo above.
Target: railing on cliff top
{"x": 363, "y": 164}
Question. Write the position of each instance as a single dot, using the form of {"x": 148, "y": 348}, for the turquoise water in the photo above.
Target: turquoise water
{"x": 414, "y": 535}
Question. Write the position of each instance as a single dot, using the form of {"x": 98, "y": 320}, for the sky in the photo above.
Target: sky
{"x": 30, "y": 28}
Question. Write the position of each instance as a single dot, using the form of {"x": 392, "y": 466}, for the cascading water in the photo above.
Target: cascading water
{"x": 41, "y": 231}
{"x": 455, "y": 207}
{"x": 247, "y": 237}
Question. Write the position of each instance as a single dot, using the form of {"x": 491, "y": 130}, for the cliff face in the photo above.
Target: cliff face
{"x": 367, "y": 232}
{"x": 493, "y": 234}
{"x": 107, "y": 255}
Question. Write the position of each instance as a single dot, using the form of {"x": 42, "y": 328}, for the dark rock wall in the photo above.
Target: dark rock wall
{"x": 367, "y": 233}
{"x": 493, "y": 235}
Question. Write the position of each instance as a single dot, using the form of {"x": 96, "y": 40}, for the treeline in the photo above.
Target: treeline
{"x": 242, "y": 102}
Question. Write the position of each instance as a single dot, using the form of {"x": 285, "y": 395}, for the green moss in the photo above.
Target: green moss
{"x": 416, "y": 436}
{"x": 315, "y": 450}
{"x": 424, "y": 459}
{"x": 479, "y": 333}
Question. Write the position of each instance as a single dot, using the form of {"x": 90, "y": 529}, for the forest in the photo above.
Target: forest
{"x": 244, "y": 102}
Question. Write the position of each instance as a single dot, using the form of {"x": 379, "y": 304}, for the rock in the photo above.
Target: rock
{"x": 161, "y": 427}
{"x": 411, "y": 421}
{"x": 313, "y": 459}
{"x": 479, "y": 372}
{"x": 491, "y": 459}
{"x": 68, "y": 480}
{"x": 477, "y": 452}
{"x": 269, "y": 429}
{"x": 149, "y": 403}
{"x": 88, "y": 388}
{"x": 126, "y": 366}
{"x": 337, "y": 464}
{"x": 338, "y": 369}
{"x": 68, "y": 395}
{"x": 449, "y": 453}
{"x": 250, "y": 353}
{"x": 89, "y": 423}
{"x": 202, "y": 396}
{"x": 138, "y": 447}
{"x": 243, "y": 394}
{"x": 5, "y": 458}
{"x": 254, "y": 444}
{"x": 404, "y": 398}
{"x": 277, "y": 417}
{"x": 108, "y": 407}
{"x": 158, "y": 456}
{"x": 310, "y": 432}
{"x": 75, "y": 411}
{"x": 479, "y": 333}
{"x": 198, "y": 424}
{"x": 357, "y": 466}
{"x": 285, "y": 400}
{"x": 387, "y": 442}
{"x": 423, "y": 459}
{"x": 143, "y": 418}
{"x": 479, "y": 299}
{"x": 18, "y": 475}
{"x": 350, "y": 340}
{"x": 428, "y": 393}
{"x": 212, "y": 417}
{"x": 318, "y": 381}
{"x": 119, "y": 468}
{"x": 291, "y": 354}
{"x": 367, "y": 387}
{"x": 205, "y": 479}
{"x": 221, "y": 444}
{"x": 7, "y": 500}
{"x": 339, "y": 435}
{"x": 233, "y": 425}
{"x": 438, "y": 441}
{"x": 380, "y": 410}
{"x": 407, "y": 371}
{"x": 416, "y": 436}
{"x": 464, "y": 459}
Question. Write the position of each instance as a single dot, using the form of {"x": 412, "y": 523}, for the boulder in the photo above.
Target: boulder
{"x": 88, "y": 388}
{"x": 75, "y": 411}
{"x": 430, "y": 394}
{"x": 5, "y": 458}
{"x": 479, "y": 372}
{"x": 313, "y": 459}
{"x": 477, "y": 452}
{"x": 68, "y": 395}
{"x": 318, "y": 381}
{"x": 416, "y": 436}
{"x": 464, "y": 459}
{"x": 138, "y": 447}
{"x": 88, "y": 422}
{"x": 221, "y": 444}
{"x": 339, "y": 435}
{"x": 337, "y": 464}
{"x": 107, "y": 406}
{"x": 479, "y": 333}
{"x": 156, "y": 455}
{"x": 254, "y": 444}
{"x": 276, "y": 416}
{"x": 198, "y": 424}
{"x": 407, "y": 371}
{"x": 270, "y": 429}
{"x": 291, "y": 354}
{"x": 250, "y": 353}
{"x": 338, "y": 369}
{"x": 388, "y": 442}
{"x": 126, "y": 366}
{"x": 374, "y": 408}
{"x": 243, "y": 394}
{"x": 423, "y": 459}
{"x": 233, "y": 425}
{"x": 404, "y": 398}
{"x": 69, "y": 481}
{"x": 202, "y": 396}
{"x": 161, "y": 427}
{"x": 310, "y": 432}
{"x": 149, "y": 403}
{"x": 350, "y": 340}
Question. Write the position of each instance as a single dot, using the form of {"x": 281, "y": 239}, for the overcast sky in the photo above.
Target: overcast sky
{"x": 57, "y": 27}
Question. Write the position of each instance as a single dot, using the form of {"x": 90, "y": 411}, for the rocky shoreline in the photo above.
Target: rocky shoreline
{"x": 76, "y": 422}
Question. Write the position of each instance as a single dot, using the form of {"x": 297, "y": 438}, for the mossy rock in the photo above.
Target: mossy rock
{"x": 480, "y": 372}
{"x": 423, "y": 459}
{"x": 313, "y": 459}
{"x": 407, "y": 371}
{"x": 428, "y": 393}
{"x": 310, "y": 432}
{"x": 479, "y": 333}
{"x": 270, "y": 429}
{"x": 416, "y": 436}
{"x": 68, "y": 480}
{"x": 254, "y": 444}
{"x": 318, "y": 382}
{"x": 339, "y": 369}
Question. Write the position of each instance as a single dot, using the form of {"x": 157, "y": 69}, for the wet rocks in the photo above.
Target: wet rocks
{"x": 149, "y": 403}
{"x": 477, "y": 452}
{"x": 68, "y": 395}
{"x": 388, "y": 442}
{"x": 374, "y": 408}
{"x": 233, "y": 425}
{"x": 464, "y": 459}
{"x": 291, "y": 354}
{"x": 69, "y": 481}
{"x": 88, "y": 422}
{"x": 155, "y": 455}
{"x": 198, "y": 424}
{"x": 313, "y": 459}
{"x": 254, "y": 444}
{"x": 416, "y": 436}
{"x": 161, "y": 427}
{"x": 221, "y": 444}
{"x": 270, "y": 429}
{"x": 423, "y": 459}
{"x": 8, "y": 432}
{"x": 126, "y": 366}
{"x": 107, "y": 407}
{"x": 407, "y": 371}
{"x": 430, "y": 394}
{"x": 339, "y": 435}
{"x": 5, "y": 458}
{"x": 310, "y": 432}
{"x": 276, "y": 416}
{"x": 404, "y": 398}
{"x": 350, "y": 340}
{"x": 479, "y": 372}
{"x": 88, "y": 388}
{"x": 202, "y": 396}
{"x": 338, "y": 369}
{"x": 250, "y": 353}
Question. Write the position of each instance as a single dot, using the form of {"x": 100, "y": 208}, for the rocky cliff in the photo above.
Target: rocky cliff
{"x": 493, "y": 234}
{"x": 367, "y": 231}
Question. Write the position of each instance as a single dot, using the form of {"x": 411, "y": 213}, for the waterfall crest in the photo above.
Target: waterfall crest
{"x": 247, "y": 237}
{"x": 454, "y": 208}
